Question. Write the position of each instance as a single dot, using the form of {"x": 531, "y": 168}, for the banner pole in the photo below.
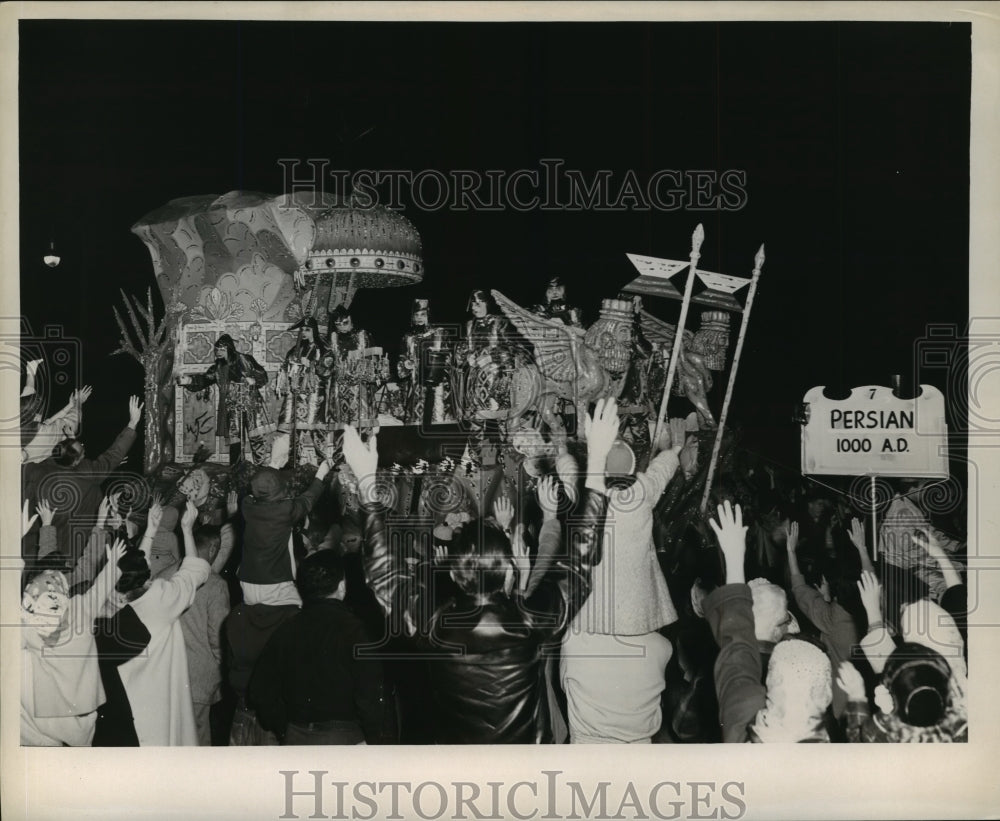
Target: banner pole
{"x": 874, "y": 528}
{"x": 696, "y": 240}
{"x": 717, "y": 446}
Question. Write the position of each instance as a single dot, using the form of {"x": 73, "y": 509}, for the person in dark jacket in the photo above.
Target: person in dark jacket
{"x": 485, "y": 671}
{"x": 791, "y": 705}
{"x": 241, "y": 414}
{"x": 72, "y": 483}
{"x": 269, "y": 515}
{"x": 247, "y": 631}
{"x": 311, "y": 684}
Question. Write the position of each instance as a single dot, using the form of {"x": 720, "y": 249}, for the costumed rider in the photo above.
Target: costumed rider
{"x": 241, "y": 414}
{"x": 556, "y": 306}
{"x": 635, "y": 393}
{"x": 423, "y": 369}
{"x": 302, "y": 383}
{"x": 358, "y": 370}
{"x": 485, "y": 360}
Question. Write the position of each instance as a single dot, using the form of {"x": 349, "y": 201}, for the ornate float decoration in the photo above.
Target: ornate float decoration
{"x": 251, "y": 264}
{"x": 708, "y": 346}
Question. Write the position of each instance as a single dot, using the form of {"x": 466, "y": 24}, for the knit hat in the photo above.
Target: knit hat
{"x": 267, "y": 485}
{"x": 799, "y": 690}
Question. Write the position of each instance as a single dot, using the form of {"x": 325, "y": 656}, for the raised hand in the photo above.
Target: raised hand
{"x": 824, "y": 588}
{"x": 929, "y": 543}
{"x": 850, "y": 681}
{"x": 440, "y": 554}
{"x": 82, "y": 395}
{"x": 871, "y": 595}
{"x": 791, "y": 536}
{"x": 134, "y": 411}
{"x": 519, "y": 550}
{"x": 232, "y": 503}
{"x": 107, "y": 507}
{"x": 678, "y": 434}
{"x": 601, "y": 430}
{"x": 857, "y": 535}
{"x": 27, "y": 521}
{"x": 503, "y": 512}
{"x": 190, "y": 517}
{"x": 155, "y": 515}
{"x": 548, "y": 496}
{"x": 361, "y": 458}
{"x": 46, "y": 512}
{"x": 731, "y": 533}
{"x": 115, "y": 551}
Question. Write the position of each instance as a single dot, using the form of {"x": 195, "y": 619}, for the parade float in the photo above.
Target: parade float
{"x": 258, "y": 269}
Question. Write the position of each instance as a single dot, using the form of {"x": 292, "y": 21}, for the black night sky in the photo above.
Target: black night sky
{"x": 854, "y": 138}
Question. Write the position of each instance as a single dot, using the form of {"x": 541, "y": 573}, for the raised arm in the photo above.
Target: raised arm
{"x": 927, "y": 540}
{"x": 857, "y": 537}
{"x": 585, "y": 528}
{"x": 153, "y": 518}
{"x": 76, "y": 401}
{"x": 729, "y": 612}
{"x": 301, "y": 505}
{"x": 188, "y": 518}
{"x": 824, "y": 614}
{"x": 383, "y": 573}
{"x": 877, "y": 643}
{"x": 48, "y": 542}
{"x": 176, "y": 594}
{"x": 664, "y": 465}
{"x": 550, "y": 536}
{"x": 112, "y": 457}
{"x": 94, "y": 598}
{"x": 227, "y": 541}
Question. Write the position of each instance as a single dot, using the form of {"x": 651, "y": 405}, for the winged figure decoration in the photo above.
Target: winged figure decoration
{"x": 563, "y": 367}
{"x": 694, "y": 379}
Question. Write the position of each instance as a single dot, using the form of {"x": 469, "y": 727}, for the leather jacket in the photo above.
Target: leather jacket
{"x": 484, "y": 655}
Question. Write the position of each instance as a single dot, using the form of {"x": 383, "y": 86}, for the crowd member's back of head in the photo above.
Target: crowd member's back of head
{"x": 799, "y": 691}
{"x": 68, "y": 453}
{"x": 481, "y": 558}
{"x": 207, "y": 541}
{"x": 321, "y": 576}
{"x": 917, "y": 679}
{"x": 135, "y": 574}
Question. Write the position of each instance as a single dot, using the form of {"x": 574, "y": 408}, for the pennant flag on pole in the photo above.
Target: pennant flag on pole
{"x": 658, "y": 277}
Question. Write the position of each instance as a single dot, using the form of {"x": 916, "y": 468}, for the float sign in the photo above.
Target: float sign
{"x": 873, "y": 432}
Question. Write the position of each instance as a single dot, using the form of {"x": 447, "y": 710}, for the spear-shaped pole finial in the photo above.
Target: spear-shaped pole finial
{"x": 758, "y": 261}
{"x": 697, "y": 238}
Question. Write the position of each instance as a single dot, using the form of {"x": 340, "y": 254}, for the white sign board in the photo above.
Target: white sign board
{"x": 872, "y": 432}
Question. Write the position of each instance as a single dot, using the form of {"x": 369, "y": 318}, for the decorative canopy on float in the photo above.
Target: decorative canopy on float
{"x": 243, "y": 253}
{"x": 354, "y": 246}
